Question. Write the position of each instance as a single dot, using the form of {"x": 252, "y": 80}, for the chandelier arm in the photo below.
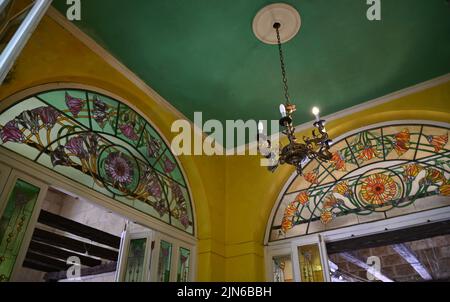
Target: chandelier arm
{"x": 295, "y": 153}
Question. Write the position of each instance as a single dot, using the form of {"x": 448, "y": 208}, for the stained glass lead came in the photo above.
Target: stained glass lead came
{"x": 94, "y": 155}
{"x": 379, "y": 186}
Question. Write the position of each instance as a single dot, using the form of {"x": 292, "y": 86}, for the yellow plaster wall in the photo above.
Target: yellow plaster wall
{"x": 53, "y": 55}
{"x": 233, "y": 195}
{"x": 252, "y": 191}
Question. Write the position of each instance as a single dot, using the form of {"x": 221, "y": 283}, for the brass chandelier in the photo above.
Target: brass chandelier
{"x": 295, "y": 153}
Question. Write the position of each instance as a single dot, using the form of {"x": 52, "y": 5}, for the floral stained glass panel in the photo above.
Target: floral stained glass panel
{"x": 311, "y": 269}
{"x": 282, "y": 269}
{"x": 104, "y": 145}
{"x": 13, "y": 224}
{"x": 376, "y": 174}
{"x": 135, "y": 261}
{"x": 183, "y": 265}
{"x": 164, "y": 262}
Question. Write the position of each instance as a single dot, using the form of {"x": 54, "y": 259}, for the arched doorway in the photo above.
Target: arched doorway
{"x": 97, "y": 147}
{"x": 382, "y": 178}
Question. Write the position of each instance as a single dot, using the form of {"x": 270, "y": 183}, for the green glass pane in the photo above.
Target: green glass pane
{"x": 169, "y": 166}
{"x": 130, "y": 125}
{"x": 103, "y": 113}
{"x": 14, "y": 223}
{"x": 135, "y": 261}
{"x": 151, "y": 145}
{"x": 165, "y": 258}
{"x": 183, "y": 265}
{"x": 70, "y": 102}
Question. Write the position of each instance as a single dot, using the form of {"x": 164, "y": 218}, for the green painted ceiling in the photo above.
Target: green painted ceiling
{"x": 203, "y": 56}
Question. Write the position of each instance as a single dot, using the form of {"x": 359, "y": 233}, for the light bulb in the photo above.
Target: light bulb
{"x": 283, "y": 110}
{"x": 260, "y": 127}
{"x": 316, "y": 112}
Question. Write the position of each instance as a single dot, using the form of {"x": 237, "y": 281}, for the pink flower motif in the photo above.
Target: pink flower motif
{"x": 119, "y": 168}
{"x": 184, "y": 219}
{"x": 100, "y": 112}
{"x": 48, "y": 115}
{"x": 11, "y": 133}
{"x": 168, "y": 165}
{"x": 176, "y": 192}
{"x": 151, "y": 182}
{"x": 128, "y": 131}
{"x": 59, "y": 158}
{"x": 160, "y": 207}
{"x": 75, "y": 145}
{"x": 75, "y": 105}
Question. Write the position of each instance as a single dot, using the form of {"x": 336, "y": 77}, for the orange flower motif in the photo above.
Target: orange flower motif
{"x": 438, "y": 141}
{"x": 402, "y": 142}
{"x": 286, "y": 225}
{"x": 338, "y": 161}
{"x": 433, "y": 177}
{"x": 367, "y": 153}
{"x": 331, "y": 202}
{"x": 343, "y": 188}
{"x": 378, "y": 189}
{"x": 411, "y": 171}
{"x": 289, "y": 213}
{"x": 326, "y": 216}
{"x": 312, "y": 176}
{"x": 302, "y": 198}
{"x": 444, "y": 190}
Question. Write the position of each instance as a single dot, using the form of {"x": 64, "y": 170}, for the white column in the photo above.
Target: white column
{"x": 20, "y": 38}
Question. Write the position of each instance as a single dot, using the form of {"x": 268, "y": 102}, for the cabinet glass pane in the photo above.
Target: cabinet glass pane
{"x": 311, "y": 269}
{"x": 13, "y": 224}
{"x": 165, "y": 258}
{"x": 282, "y": 269}
{"x": 135, "y": 260}
{"x": 183, "y": 265}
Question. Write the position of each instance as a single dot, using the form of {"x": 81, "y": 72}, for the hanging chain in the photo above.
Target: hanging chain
{"x": 283, "y": 68}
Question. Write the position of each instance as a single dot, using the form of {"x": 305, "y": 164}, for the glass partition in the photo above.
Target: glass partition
{"x": 165, "y": 260}
{"x": 282, "y": 269}
{"x": 311, "y": 269}
{"x": 183, "y": 265}
{"x": 13, "y": 224}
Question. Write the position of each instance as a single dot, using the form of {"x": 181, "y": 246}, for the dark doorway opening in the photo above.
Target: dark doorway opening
{"x": 415, "y": 254}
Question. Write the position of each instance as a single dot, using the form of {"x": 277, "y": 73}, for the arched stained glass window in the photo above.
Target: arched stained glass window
{"x": 375, "y": 174}
{"x": 104, "y": 145}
